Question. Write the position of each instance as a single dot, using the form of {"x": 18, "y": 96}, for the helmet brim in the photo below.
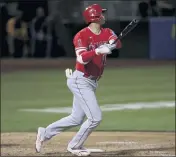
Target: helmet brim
{"x": 104, "y": 10}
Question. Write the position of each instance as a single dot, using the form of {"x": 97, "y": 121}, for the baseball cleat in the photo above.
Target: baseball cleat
{"x": 39, "y": 140}
{"x": 79, "y": 152}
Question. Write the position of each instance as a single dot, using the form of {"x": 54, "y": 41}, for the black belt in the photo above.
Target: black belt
{"x": 95, "y": 78}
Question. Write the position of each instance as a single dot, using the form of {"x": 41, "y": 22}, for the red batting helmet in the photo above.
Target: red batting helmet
{"x": 93, "y": 13}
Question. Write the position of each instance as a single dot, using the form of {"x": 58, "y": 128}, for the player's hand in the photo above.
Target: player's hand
{"x": 111, "y": 46}
{"x": 103, "y": 49}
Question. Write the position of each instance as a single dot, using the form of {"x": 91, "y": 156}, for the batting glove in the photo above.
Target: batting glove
{"x": 103, "y": 49}
{"x": 111, "y": 46}
{"x": 68, "y": 73}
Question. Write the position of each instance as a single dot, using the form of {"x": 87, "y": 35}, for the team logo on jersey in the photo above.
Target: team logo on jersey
{"x": 93, "y": 46}
{"x": 79, "y": 43}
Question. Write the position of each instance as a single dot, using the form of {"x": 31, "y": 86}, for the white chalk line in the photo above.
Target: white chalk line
{"x": 118, "y": 142}
{"x": 110, "y": 107}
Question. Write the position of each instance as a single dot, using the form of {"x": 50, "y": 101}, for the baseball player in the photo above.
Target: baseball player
{"x": 92, "y": 45}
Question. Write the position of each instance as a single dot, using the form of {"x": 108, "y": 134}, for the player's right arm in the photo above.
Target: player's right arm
{"x": 84, "y": 55}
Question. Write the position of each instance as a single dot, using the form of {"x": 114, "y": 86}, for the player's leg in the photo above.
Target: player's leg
{"x": 85, "y": 92}
{"x": 76, "y": 118}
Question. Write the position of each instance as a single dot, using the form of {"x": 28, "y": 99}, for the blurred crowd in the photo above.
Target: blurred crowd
{"x": 37, "y": 36}
{"x": 22, "y": 38}
{"x": 156, "y": 8}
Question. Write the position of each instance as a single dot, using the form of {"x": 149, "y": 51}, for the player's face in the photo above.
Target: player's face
{"x": 102, "y": 21}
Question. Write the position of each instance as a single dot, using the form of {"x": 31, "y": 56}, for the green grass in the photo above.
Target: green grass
{"x": 148, "y": 119}
{"x": 41, "y": 89}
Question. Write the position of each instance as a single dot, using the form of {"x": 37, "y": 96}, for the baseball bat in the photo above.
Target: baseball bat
{"x": 127, "y": 29}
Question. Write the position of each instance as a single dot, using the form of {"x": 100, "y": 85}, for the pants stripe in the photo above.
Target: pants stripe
{"x": 87, "y": 107}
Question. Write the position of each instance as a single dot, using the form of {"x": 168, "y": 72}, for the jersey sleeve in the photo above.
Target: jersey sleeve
{"x": 113, "y": 37}
{"x": 80, "y": 44}
{"x": 81, "y": 49}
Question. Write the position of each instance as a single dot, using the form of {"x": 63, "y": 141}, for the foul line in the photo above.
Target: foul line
{"x": 110, "y": 107}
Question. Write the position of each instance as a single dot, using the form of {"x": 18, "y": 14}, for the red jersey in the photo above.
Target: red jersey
{"x": 85, "y": 42}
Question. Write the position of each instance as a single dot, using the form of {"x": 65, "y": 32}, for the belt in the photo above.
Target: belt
{"x": 95, "y": 78}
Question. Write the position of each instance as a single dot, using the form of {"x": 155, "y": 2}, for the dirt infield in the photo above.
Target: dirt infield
{"x": 12, "y": 65}
{"x": 113, "y": 144}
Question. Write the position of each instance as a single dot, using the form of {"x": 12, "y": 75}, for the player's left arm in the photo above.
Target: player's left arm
{"x": 112, "y": 38}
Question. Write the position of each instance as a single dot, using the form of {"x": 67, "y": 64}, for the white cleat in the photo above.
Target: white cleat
{"x": 79, "y": 152}
{"x": 39, "y": 140}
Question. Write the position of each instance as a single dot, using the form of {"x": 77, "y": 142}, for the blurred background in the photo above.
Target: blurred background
{"x": 36, "y": 48}
{"x": 40, "y": 29}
